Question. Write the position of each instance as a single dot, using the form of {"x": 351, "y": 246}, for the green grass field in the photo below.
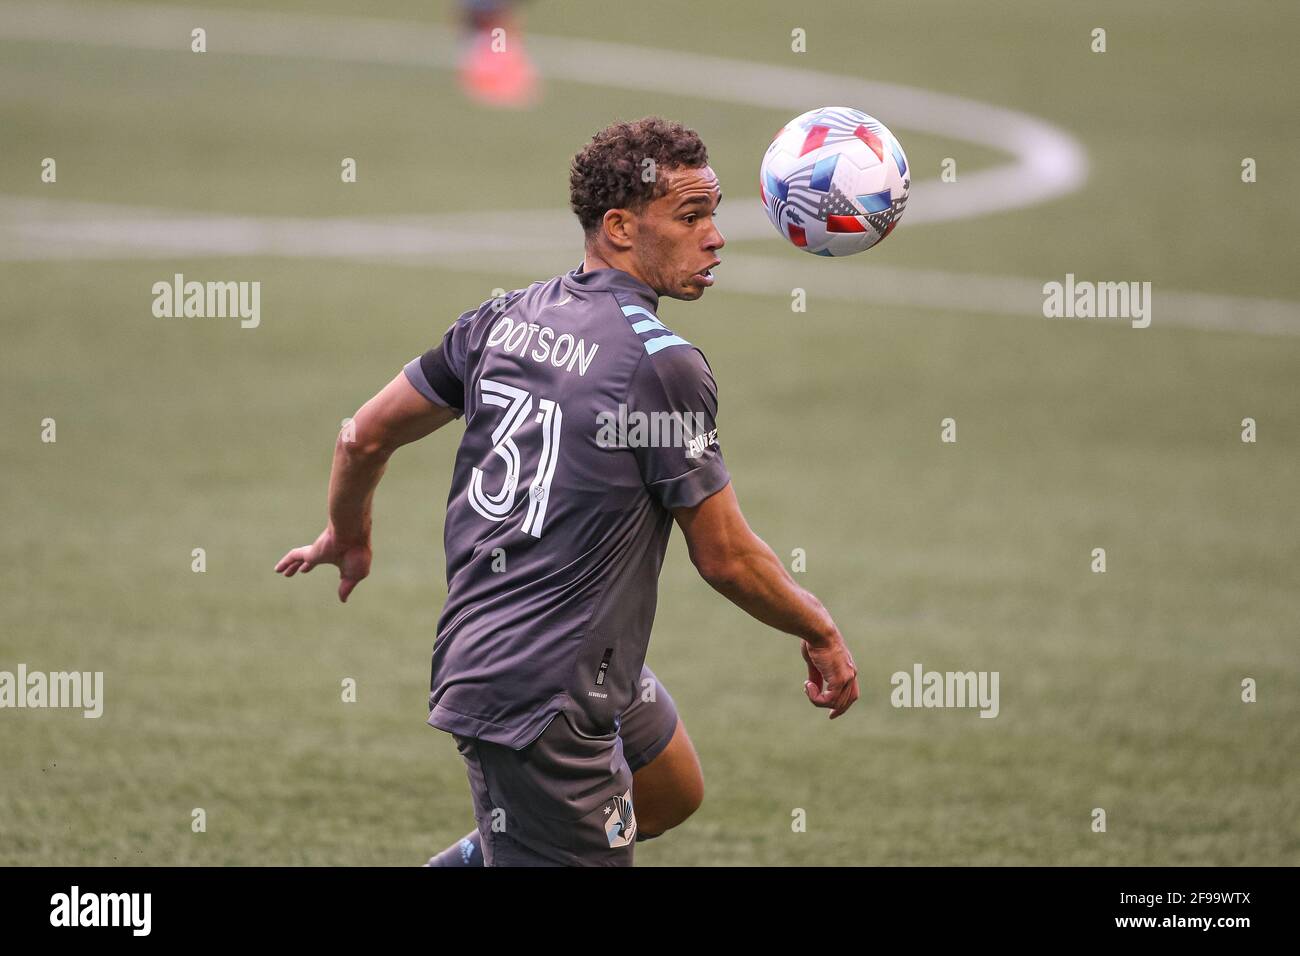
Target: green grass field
{"x": 1119, "y": 690}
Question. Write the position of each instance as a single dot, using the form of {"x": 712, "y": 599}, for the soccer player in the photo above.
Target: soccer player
{"x": 590, "y": 428}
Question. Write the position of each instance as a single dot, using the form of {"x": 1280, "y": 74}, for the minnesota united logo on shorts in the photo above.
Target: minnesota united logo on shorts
{"x": 620, "y": 821}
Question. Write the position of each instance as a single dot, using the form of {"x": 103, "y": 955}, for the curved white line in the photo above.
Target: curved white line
{"x": 1047, "y": 161}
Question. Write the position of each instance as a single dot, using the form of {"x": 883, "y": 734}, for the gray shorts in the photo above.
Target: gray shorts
{"x": 566, "y": 798}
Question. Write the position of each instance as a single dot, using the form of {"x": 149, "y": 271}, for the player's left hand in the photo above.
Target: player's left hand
{"x": 832, "y": 676}
{"x": 351, "y": 558}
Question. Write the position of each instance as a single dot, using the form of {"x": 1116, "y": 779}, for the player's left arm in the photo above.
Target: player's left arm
{"x": 397, "y": 416}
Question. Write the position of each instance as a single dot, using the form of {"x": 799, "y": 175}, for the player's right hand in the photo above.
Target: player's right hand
{"x": 351, "y": 558}
{"x": 832, "y": 666}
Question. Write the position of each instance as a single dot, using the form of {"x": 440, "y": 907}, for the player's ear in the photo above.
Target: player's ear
{"x": 619, "y": 228}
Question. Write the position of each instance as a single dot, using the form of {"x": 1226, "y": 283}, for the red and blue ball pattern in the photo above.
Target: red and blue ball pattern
{"x": 835, "y": 181}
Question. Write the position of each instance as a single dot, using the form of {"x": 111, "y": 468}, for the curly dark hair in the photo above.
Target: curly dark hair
{"x": 607, "y": 172}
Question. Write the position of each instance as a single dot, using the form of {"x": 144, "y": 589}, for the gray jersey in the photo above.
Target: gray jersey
{"x": 586, "y": 420}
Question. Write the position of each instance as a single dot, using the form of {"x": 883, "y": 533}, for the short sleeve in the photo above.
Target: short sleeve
{"x": 673, "y": 398}
{"x": 439, "y": 374}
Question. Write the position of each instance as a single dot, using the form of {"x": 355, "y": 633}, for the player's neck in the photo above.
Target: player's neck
{"x": 593, "y": 261}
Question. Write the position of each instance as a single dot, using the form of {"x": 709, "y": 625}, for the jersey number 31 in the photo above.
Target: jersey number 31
{"x": 518, "y": 405}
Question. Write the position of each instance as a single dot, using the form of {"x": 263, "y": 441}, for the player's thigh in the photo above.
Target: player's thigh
{"x": 668, "y": 782}
{"x": 670, "y": 787}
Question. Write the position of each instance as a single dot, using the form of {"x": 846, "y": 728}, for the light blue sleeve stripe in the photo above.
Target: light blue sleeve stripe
{"x": 651, "y": 323}
{"x": 664, "y": 342}
{"x": 630, "y": 310}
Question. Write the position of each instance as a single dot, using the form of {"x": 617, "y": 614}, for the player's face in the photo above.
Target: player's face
{"x": 677, "y": 239}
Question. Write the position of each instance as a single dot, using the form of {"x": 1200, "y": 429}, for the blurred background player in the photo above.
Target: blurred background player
{"x": 495, "y": 69}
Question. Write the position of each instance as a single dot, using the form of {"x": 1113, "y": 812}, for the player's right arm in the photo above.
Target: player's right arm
{"x": 739, "y": 565}
{"x": 396, "y": 416}
{"x": 427, "y": 394}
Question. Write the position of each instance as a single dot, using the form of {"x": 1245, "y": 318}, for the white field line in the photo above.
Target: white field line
{"x": 1046, "y": 163}
{"x": 505, "y": 244}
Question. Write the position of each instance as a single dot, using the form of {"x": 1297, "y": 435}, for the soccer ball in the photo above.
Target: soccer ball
{"x": 834, "y": 181}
